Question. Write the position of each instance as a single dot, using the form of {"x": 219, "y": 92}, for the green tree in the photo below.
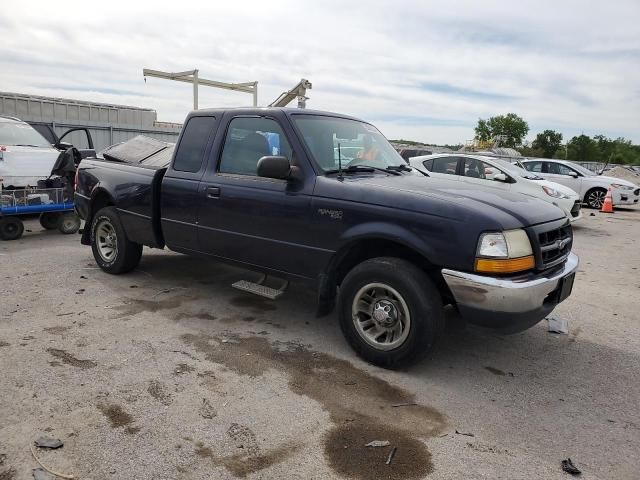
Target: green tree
{"x": 583, "y": 149}
{"x": 549, "y": 142}
{"x": 511, "y": 126}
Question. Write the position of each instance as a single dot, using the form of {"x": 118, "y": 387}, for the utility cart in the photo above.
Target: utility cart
{"x": 54, "y": 206}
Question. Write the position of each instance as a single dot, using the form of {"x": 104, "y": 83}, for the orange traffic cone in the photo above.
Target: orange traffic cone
{"x": 607, "y": 206}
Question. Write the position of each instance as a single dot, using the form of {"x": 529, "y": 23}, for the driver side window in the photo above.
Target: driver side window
{"x": 564, "y": 170}
{"x": 248, "y": 140}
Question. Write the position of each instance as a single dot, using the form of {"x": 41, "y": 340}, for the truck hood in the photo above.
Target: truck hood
{"x": 22, "y": 166}
{"x": 442, "y": 197}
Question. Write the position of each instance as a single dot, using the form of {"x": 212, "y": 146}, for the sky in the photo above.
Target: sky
{"x": 421, "y": 70}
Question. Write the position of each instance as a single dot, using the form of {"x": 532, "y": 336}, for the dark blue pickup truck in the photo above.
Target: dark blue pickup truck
{"x": 324, "y": 198}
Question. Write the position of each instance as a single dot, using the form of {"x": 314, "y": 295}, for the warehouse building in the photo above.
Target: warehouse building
{"x": 107, "y": 123}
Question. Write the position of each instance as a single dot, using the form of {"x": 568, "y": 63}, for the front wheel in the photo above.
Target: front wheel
{"x": 390, "y": 311}
{"x": 113, "y": 251}
{"x": 595, "y": 197}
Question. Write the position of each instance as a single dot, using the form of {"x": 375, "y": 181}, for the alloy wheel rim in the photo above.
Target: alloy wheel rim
{"x": 596, "y": 198}
{"x": 381, "y": 316}
{"x": 107, "y": 241}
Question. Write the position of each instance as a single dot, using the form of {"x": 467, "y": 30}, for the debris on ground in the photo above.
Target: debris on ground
{"x": 558, "y": 325}
{"x": 465, "y": 434}
{"x": 48, "y": 442}
{"x": 207, "y": 410}
{"x": 42, "y": 474}
{"x": 378, "y": 443}
{"x": 406, "y": 404}
{"x": 61, "y": 475}
{"x": 391, "y": 454}
{"x": 569, "y": 467}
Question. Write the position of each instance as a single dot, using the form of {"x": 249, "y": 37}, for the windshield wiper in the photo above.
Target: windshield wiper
{"x": 399, "y": 168}
{"x": 362, "y": 168}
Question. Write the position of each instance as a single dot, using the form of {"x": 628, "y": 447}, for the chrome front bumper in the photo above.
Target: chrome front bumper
{"x": 509, "y": 304}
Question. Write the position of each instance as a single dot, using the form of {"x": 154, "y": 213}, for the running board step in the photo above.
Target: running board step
{"x": 259, "y": 288}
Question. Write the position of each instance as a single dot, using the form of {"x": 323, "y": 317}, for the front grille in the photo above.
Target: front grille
{"x": 554, "y": 245}
{"x": 636, "y": 191}
{"x": 575, "y": 210}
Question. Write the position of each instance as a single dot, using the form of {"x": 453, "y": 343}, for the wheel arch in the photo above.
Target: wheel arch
{"x": 363, "y": 246}
{"x": 100, "y": 198}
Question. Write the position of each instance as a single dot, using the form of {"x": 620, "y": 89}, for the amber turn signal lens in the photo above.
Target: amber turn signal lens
{"x": 504, "y": 265}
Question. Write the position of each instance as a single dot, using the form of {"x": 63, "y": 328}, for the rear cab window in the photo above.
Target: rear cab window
{"x": 193, "y": 143}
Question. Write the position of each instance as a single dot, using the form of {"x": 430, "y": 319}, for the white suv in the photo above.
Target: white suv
{"x": 499, "y": 174}
{"x": 592, "y": 188}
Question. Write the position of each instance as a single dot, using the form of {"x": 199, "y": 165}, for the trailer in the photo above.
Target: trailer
{"x": 55, "y": 209}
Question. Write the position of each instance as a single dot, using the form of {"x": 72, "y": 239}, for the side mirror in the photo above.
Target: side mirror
{"x": 274, "y": 167}
{"x": 573, "y": 174}
{"x": 500, "y": 177}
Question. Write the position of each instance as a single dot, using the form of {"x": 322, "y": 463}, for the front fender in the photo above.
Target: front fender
{"x": 386, "y": 231}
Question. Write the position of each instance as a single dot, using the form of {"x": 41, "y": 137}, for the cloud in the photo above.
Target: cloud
{"x": 421, "y": 70}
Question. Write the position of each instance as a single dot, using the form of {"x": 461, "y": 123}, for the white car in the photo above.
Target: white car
{"x": 592, "y": 188}
{"x": 25, "y": 155}
{"x": 499, "y": 174}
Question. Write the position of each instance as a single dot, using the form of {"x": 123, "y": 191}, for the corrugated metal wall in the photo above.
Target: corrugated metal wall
{"x": 108, "y": 124}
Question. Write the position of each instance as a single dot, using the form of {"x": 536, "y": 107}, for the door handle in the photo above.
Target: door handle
{"x": 213, "y": 192}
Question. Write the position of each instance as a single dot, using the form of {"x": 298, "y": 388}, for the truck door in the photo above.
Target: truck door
{"x": 179, "y": 198}
{"x": 258, "y": 221}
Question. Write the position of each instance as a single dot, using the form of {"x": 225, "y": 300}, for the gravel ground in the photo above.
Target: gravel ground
{"x": 168, "y": 372}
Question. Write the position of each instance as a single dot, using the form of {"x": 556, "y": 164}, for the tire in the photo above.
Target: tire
{"x": 69, "y": 223}
{"x": 113, "y": 251}
{"x": 595, "y": 197}
{"x": 11, "y": 228}
{"x": 49, "y": 220}
{"x": 395, "y": 289}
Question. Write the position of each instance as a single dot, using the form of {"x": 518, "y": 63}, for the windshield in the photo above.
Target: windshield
{"x": 331, "y": 139}
{"x": 12, "y": 133}
{"x": 516, "y": 170}
{"x": 584, "y": 171}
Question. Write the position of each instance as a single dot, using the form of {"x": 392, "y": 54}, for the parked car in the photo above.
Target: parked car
{"x": 26, "y": 156}
{"x": 591, "y": 187}
{"x": 501, "y": 175}
{"x": 267, "y": 189}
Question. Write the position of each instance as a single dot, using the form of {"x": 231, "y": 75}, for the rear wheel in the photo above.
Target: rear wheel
{"x": 390, "y": 311}
{"x": 69, "y": 223}
{"x": 49, "y": 220}
{"x": 11, "y": 228}
{"x": 595, "y": 197}
{"x": 112, "y": 250}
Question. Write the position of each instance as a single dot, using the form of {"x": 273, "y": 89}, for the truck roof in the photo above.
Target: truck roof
{"x": 262, "y": 110}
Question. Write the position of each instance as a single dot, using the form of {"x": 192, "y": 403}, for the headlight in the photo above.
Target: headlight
{"x": 621, "y": 187}
{"x": 504, "y": 252}
{"x": 552, "y": 192}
